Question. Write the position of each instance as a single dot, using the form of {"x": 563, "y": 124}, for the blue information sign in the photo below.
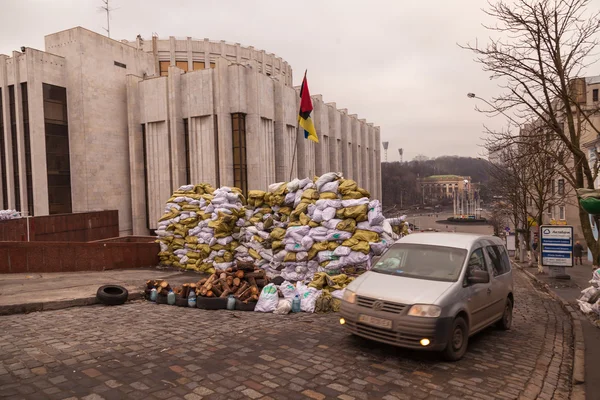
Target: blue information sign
{"x": 557, "y": 245}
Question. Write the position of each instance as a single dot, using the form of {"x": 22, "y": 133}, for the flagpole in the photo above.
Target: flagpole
{"x": 297, "y": 126}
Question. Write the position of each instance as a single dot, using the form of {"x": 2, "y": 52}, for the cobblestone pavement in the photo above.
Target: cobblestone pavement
{"x": 147, "y": 351}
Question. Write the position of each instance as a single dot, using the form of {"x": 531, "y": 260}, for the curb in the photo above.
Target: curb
{"x": 578, "y": 376}
{"x": 26, "y": 308}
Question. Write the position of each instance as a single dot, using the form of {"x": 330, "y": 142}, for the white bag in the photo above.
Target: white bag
{"x": 268, "y": 300}
{"x": 283, "y": 307}
{"x": 326, "y": 178}
{"x": 375, "y": 215}
{"x": 288, "y": 290}
{"x": 308, "y": 297}
{"x": 330, "y": 187}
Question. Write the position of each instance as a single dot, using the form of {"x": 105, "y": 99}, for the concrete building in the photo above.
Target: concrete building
{"x": 93, "y": 123}
{"x": 438, "y": 187}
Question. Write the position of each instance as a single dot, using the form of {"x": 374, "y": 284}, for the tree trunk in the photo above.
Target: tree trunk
{"x": 588, "y": 234}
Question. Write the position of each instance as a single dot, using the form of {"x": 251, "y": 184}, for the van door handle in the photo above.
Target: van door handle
{"x": 489, "y": 291}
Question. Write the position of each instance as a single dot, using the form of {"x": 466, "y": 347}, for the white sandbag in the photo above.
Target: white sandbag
{"x": 330, "y": 187}
{"x": 298, "y": 198}
{"x": 322, "y": 204}
{"x": 318, "y": 231}
{"x": 290, "y": 198}
{"x": 268, "y": 299}
{"x": 596, "y": 278}
{"x": 307, "y": 242}
{"x": 338, "y": 294}
{"x": 328, "y": 214}
{"x": 331, "y": 224}
{"x": 585, "y": 307}
{"x": 366, "y": 226}
{"x": 295, "y": 247}
{"x": 297, "y": 232}
{"x": 335, "y": 235}
{"x": 326, "y": 178}
{"x": 302, "y": 256}
{"x": 308, "y": 297}
{"x": 355, "y": 202}
{"x": 355, "y": 258}
{"x": 223, "y": 266}
{"x": 379, "y": 247}
{"x": 225, "y": 241}
{"x": 291, "y": 187}
{"x": 186, "y": 188}
{"x": 326, "y": 255}
{"x": 304, "y": 183}
{"x": 318, "y": 216}
{"x": 184, "y": 259}
{"x": 163, "y": 246}
{"x": 284, "y": 306}
{"x": 587, "y": 293}
{"x": 342, "y": 251}
{"x": 375, "y": 215}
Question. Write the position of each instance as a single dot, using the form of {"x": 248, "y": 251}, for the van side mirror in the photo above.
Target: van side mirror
{"x": 478, "y": 276}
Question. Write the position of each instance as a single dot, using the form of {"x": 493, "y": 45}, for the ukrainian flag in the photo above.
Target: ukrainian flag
{"x": 306, "y": 108}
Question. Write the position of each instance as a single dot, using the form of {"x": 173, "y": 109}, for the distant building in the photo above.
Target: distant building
{"x": 93, "y": 123}
{"x": 438, "y": 187}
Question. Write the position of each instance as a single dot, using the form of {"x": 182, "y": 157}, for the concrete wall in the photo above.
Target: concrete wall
{"x": 98, "y": 118}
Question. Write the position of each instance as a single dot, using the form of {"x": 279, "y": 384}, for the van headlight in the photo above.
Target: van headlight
{"x": 349, "y": 296}
{"x": 425, "y": 310}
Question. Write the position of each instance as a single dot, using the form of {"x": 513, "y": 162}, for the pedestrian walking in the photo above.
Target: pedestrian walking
{"x": 578, "y": 252}
{"x": 534, "y": 247}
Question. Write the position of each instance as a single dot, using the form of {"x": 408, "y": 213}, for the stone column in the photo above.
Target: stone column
{"x": 6, "y": 132}
{"x": 176, "y": 129}
{"x": 20, "y": 131}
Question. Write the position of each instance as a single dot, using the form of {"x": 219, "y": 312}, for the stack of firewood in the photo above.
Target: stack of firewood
{"x": 161, "y": 286}
{"x": 243, "y": 281}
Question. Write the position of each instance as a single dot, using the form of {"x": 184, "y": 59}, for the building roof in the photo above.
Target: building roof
{"x": 445, "y": 177}
{"x": 447, "y": 239}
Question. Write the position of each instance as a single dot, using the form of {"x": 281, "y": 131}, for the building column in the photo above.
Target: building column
{"x": 37, "y": 139}
{"x": 223, "y": 112}
{"x": 178, "y": 158}
{"x": 20, "y": 132}
{"x": 136, "y": 158}
{"x": 5, "y": 111}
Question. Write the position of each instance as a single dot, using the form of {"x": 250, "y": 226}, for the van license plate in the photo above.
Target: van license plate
{"x": 380, "y": 322}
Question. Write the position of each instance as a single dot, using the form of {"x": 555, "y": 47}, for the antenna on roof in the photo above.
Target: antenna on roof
{"x": 107, "y": 9}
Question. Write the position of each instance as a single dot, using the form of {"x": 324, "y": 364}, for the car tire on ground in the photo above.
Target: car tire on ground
{"x": 112, "y": 295}
{"x": 458, "y": 340}
{"x": 506, "y": 321}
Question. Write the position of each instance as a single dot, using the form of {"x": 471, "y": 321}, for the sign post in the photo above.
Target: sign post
{"x": 556, "y": 247}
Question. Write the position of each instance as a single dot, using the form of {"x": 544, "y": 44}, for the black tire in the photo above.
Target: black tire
{"x": 162, "y": 299}
{"x": 112, "y": 295}
{"x": 181, "y": 301}
{"x": 506, "y": 322}
{"x": 457, "y": 341}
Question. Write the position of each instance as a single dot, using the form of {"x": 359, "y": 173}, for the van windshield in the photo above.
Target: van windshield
{"x": 436, "y": 263}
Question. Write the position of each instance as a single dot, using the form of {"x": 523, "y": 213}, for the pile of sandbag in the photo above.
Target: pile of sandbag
{"x": 9, "y": 214}
{"x": 589, "y": 302}
{"x": 200, "y": 228}
{"x": 332, "y": 226}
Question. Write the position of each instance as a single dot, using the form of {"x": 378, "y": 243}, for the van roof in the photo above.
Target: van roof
{"x": 448, "y": 239}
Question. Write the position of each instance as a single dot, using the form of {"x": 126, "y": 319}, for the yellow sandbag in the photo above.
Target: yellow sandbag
{"x": 163, "y": 254}
{"x": 350, "y": 242}
{"x": 328, "y": 196}
{"x": 268, "y": 223}
{"x": 304, "y": 219}
{"x": 168, "y": 215}
{"x": 313, "y": 224}
{"x": 302, "y": 208}
{"x": 363, "y": 247}
{"x": 277, "y": 234}
{"x": 277, "y": 245}
{"x": 347, "y": 185}
{"x": 348, "y": 225}
{"x": 228, "y": 256}
{"x": 332, "y": 246}
{"x": 193, "y": 255}
{"x": 256, "y": 195}
{"x": 359, "y": 213}
{"x": 258, "y": 239}
{"x": 290, "y": 257}
{"x": 281, "y": 191}
{"x": 187, "y": 221}
{"x": 285, "y": 210}
{"x": 352, "y": 195}
{"x": 178, "y": 243}
{"x": 366, "y": 236}
{"x": 190, "y": 208}
{"x": 217, "y": 247}
{"x": 219, "y": 260}
{"x": 254, "y": 254}
{"x": 310, "y": 194}
{"x": 339, "y": 214}
{"x": 204, "y": 249}
{"x": 364, "y": 192}
{"x": 181, "y": 232}
{"x": 317, "y": 247}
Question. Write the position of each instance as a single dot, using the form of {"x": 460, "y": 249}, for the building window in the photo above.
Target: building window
{"x": 240, "y": 166}
{"x": 27, "y": 137}
{"x": 561, "y": 187}
{"x": 186, "y": 135}
{"x": 183, "y": 65}
{"x": 58, "y": 164}
{"x": 595, "y": 95}
{"x": 164, "y": 68}
{"x": 118, "y": 64}
{"x": 549, "y": 211}
{"x": 3, "y": 183}
{"x": 213, "y": 65}
{"x": 15, "y": 152}
{"x": 145, "y": 157}
{"x": 553, "y": 187}
{"x": 561, "y": 213}
{"x": 198, "y": 65}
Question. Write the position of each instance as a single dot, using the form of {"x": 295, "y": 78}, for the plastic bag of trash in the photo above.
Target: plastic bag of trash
{"x": 585, "y": 307}
{"x": 283, "y": 307}
{"x": 268, "y": 300}
{"x": 588, "y": 293}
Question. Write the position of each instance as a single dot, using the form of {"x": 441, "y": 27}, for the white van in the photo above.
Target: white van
{"x": 432, "y": 291}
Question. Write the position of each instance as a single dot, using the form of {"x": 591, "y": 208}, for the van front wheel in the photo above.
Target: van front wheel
{"x": 458, "y": 340}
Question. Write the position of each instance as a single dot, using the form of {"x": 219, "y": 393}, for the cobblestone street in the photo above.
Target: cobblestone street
{"x": 147, "y": 351}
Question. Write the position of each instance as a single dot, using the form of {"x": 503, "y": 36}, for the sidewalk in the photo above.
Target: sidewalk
{"x": 22, "y": 293}
{"x": 570, "y": 291}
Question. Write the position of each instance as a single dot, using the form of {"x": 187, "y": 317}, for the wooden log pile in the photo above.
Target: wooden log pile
{"x": 244, "y": 281}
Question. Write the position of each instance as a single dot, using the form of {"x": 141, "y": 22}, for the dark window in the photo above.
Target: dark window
{"x": 595, "y": 95}
{"x": 186, "y": 134}
{"x": 118, "y": 64}
{"x": 561, "y": 186}
{"x": 504, "y": 260}
{"x": 218, "y": 175}
{"x": 15, "y": 152}
{"x": 477, "y": 261}
{"x": 58, "y": 163}
{"x": 3, "y": 183}
{"x": 145, "y": 156}
{"x": 240, "y": 165}
{"x": 183, "y": 65}
{"x": 164, "y": 68}
{"x": 27, "y": 137}
{"x": 553, "y": 187}
{"x": 495, "y": 258}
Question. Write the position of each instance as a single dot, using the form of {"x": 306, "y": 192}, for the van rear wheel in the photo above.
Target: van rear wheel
{"x": 458, "y": 341}
{"x": 506, "y": 321}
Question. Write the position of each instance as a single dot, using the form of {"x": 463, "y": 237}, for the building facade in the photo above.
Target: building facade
{"x": 438, "y": 187}
{"x": 93, "y": 123}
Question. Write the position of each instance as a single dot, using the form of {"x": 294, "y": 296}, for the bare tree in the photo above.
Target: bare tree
{"x": 542, "y": 49}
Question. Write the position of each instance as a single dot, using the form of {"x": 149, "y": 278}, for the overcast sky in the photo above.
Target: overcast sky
{"x": 395, "y": 63}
